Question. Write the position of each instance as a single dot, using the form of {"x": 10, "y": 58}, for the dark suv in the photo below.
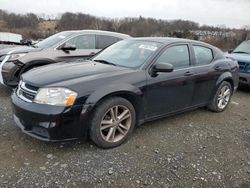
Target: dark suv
{"x": 63, "y": 46}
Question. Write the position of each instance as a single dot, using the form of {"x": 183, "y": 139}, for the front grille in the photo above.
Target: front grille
{"x": 30, "y": 87}
{"x": 244, "y": 67}
{"x": 26, "y": 92}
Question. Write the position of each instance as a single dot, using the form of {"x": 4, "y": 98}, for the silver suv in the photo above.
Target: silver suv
{"x": 63, "y": 46}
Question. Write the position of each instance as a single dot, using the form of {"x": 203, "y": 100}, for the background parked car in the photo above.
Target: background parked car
{"x": 129, "y": 83}
{"x": 62, "y": 46}
{"x": 10, "y": 38}
{"x": 242, "y": 55}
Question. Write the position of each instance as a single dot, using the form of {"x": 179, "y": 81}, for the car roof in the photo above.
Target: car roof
{"x": 169, "y": 40}
{"x": 100, "y": 32}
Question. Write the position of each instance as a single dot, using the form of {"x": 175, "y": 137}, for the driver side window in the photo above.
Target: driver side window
{"x": 178, "y": 56}
{"x": 83, "y": 42}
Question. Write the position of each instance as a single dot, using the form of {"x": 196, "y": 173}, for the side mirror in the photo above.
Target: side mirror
{"x": 67, "y": 47}
{"x": 230, "y": 51}
{"x": 163, "y": 67}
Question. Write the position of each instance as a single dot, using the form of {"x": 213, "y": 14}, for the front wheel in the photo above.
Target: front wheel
{"x": 222, "y": 97}
{"x": 112, "y": 122}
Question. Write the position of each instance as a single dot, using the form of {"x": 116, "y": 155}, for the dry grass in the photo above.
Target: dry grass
{"x": 48, "y": 25}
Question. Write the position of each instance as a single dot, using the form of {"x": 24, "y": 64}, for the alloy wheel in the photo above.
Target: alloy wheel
{"x": 115, "y": 123}
{"x": 224, "y": 97}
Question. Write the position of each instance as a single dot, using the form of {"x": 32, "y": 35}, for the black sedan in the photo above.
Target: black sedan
{"x": 129, "y": 83}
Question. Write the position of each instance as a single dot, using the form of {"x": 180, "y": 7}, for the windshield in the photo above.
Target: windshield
{"x": 243, "y": 48}
{"x": 52, "y": 40}
{"x": 128, "y": 53}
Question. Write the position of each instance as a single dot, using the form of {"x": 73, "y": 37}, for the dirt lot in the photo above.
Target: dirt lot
{"x": 195, "y": 149}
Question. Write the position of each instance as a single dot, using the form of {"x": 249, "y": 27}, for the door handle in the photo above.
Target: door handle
{"x": 218, "y": 68}
{"x": 188, "y": 73}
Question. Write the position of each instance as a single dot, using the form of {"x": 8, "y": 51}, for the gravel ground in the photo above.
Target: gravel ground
{"x": 195, "y": 149}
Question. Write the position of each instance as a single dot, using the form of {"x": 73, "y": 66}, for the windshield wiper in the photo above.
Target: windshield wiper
{"x": 104, "y": 62}
{"x": 240, "y": 52}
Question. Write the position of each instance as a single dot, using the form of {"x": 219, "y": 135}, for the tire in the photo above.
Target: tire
{"x": 221, "y": 98}
{"x": 112, "y": 122}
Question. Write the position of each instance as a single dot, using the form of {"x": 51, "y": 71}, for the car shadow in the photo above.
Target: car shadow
{"x": 183, "y": 115}
{"x": 57, "y": 147}
{"x": 87, "y": 145}
{"x": 244, "y": 88}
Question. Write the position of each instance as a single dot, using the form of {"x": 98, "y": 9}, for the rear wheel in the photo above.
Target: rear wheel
{"x": 112, "y": 123}
{"x": 222, "y": 97}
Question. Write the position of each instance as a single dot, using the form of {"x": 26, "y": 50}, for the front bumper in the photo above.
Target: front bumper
{"x": 244, "y": 78}
{"x": 10, "y": 74}
{"x": 50, "y": 123}
{"x": 1, "y": 66}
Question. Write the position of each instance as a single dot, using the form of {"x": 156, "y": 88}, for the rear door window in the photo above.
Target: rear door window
{"x": 103, "y": 41}
{"x": 203, "y": 55}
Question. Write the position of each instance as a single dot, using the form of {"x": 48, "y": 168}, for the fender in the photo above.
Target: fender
{"x": 224, "y": 76}
{"x": 104, "y": 91}
{"x": 112, "y": 90}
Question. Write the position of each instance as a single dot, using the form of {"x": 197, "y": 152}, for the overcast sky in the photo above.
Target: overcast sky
{"x": 232, "y": 13}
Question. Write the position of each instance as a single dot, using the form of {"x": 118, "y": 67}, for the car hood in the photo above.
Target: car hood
{"x": 239, "y": 57}
{"x": 69, "y": 72}
{"x": 18, "y": 49}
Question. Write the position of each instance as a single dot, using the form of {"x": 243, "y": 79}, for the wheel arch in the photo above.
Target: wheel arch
{"x": 227, "y": 76}
{"x": 230, "y": 80}
{"x": 132, "y": 94}
{"x": 29, "y": 65}
{"x": 35, "y": 63}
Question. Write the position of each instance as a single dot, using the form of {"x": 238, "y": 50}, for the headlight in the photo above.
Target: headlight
{"x": 14, "y": 57}
{"x": 55, "y": 96}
